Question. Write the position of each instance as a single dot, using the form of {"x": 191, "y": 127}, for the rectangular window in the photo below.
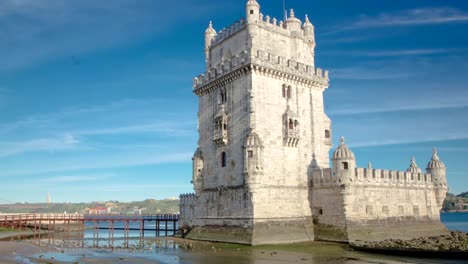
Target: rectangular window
{"x": 369, "y": 210}
{"x": 345, "y": 165}
{"x": 250, "y": 153}
{"x": 327, "y": 133}
{"x": 385, "y": 210}
{"x": 415, "y": 210}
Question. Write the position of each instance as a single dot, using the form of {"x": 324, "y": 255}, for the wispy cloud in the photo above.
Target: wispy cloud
{"x": 31, "y": 35}
{"x": 96, "y": 161}
{"x": 67, "y": 142}
{"x": 383, "y": 142}
{"x": 77, "y": 178}
{"x": 401, "y": 106}
{"x": 409, "y": 17}
{"x": 394, "y": 53}
{"x": 412, "y": 17}
{"x": 362, "y": 73}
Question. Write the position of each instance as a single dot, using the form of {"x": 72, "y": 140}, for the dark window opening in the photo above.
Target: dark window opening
{"x": 296, "y": 123}
{"x": 289, "y": 92}
{"x": 250, "y": 153}
{"x": 291, "y": 124}
{"x": 284, "y": 90}
{"x": 225, "y": 126}
{"x": 327, "y": 133}
{"x": 251, "y": 12}
{"x": 320, "y": 212}
{"x": 223, "y": 159}
{"x": 223, "y": 96}
{"x": 345, "y": 165}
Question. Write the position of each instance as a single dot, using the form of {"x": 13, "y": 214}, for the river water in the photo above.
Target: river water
{"x": 174, "y": 251}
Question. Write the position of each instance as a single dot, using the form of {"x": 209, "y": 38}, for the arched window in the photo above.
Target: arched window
{"x": 284, "y": 90}
{"x": 291, "y": 124}
{"x": 327, "y": 133}
{"x": 289, "y": 91}
{"x": 296, "y": 123}
{"x": 223, "y": 159}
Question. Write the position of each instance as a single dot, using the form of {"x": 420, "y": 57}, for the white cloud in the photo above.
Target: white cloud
{"x": 65, "y": 143}
{"x": 363, "y": 73}
{"x": 388, "y": 142}
{"x": 411, "y": 17}
{"x": 394, "y": 53}
{"x": 76, "y": 178}
{"x": 34, "y": 31}
{"x": 105, "y": 160}
{"x": 401, "y": 106}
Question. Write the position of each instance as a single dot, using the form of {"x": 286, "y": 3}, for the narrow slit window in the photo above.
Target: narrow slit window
{"x": 223, "y": 159}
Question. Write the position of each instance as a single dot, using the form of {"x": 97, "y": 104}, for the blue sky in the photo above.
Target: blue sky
{"x": 96, "y": 101}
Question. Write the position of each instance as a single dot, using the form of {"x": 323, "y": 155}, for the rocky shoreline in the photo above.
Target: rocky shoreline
{"x": 452, "y": 245}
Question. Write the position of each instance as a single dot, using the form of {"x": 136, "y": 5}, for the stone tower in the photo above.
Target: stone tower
{"x": 260, "y": 121}
{"x": 261, "y": 172}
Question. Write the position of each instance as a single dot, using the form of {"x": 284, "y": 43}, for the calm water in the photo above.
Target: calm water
{"x": 149, "y": 251}
{"x": 455, "y": 221}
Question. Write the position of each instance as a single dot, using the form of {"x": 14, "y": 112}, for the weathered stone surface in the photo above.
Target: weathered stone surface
{"x": 261, "y": 172}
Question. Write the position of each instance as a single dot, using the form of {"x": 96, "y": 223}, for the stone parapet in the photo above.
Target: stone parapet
{"x": 373, "y": 177}
{"x": 229, "y": 31}
{"x": 267, "y": 63}
{"x": 187, "y": 209}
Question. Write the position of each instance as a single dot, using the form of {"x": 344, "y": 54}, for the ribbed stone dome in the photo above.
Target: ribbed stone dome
{"x": 435, "y": 161}
{"x": 252, "y": 140}
{"x": 413, "y": 168}
{"x": 343, "y": 152}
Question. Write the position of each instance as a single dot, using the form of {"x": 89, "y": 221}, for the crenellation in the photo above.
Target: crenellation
{"x": 228, "y": 32}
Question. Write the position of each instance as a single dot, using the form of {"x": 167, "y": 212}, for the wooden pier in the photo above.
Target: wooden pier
{"x": 164, "y": 223}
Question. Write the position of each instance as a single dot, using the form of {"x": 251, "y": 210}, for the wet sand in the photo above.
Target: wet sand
{"x": 181, "y": 251}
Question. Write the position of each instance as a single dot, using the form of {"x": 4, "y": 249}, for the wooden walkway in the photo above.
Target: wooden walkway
{"x": 163, "y": 223}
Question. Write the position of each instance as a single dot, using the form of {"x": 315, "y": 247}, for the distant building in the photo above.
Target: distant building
{"x": 262, "y": 171}
{"x": 48, "y": 199}
{"x": 98, "y": 210}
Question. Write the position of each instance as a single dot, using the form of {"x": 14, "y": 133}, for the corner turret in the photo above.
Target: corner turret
{"x": 197, "y": 175}
{"x": 292, "y": 23}
{"x": 437, "y": 169}
{"x": 210, "y": 34}
{"x": 309, "y": 31}
{"x": 252, "y": 11}
{"x": 343, "y": 161}
{"x": 413, "y": 168}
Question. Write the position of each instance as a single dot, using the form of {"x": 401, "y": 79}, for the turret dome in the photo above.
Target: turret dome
{"x": 210, "y": 30}
{"x": 293, "y": 23}
{"x": 307, "y": 23}
{"x": 413, "y": 168}
{"x": 435, "y": 161}
{"x": 343, "y": 152}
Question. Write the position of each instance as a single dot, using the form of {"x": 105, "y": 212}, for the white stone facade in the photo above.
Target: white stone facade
{"x": 262, "y": 173}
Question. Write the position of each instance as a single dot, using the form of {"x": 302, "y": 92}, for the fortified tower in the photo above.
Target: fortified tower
{"x": 261, "y": 173}
{"x": 261, "y": 118}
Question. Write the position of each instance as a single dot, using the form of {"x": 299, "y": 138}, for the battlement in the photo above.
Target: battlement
{"x": 227, "y": 32}
{"x": 263, "y": 59}
{"x": 372, "y": 177}
{"x": 187, "y": 199}
{"x": 226, "y": 66}
{"x": 293, "y": 67}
